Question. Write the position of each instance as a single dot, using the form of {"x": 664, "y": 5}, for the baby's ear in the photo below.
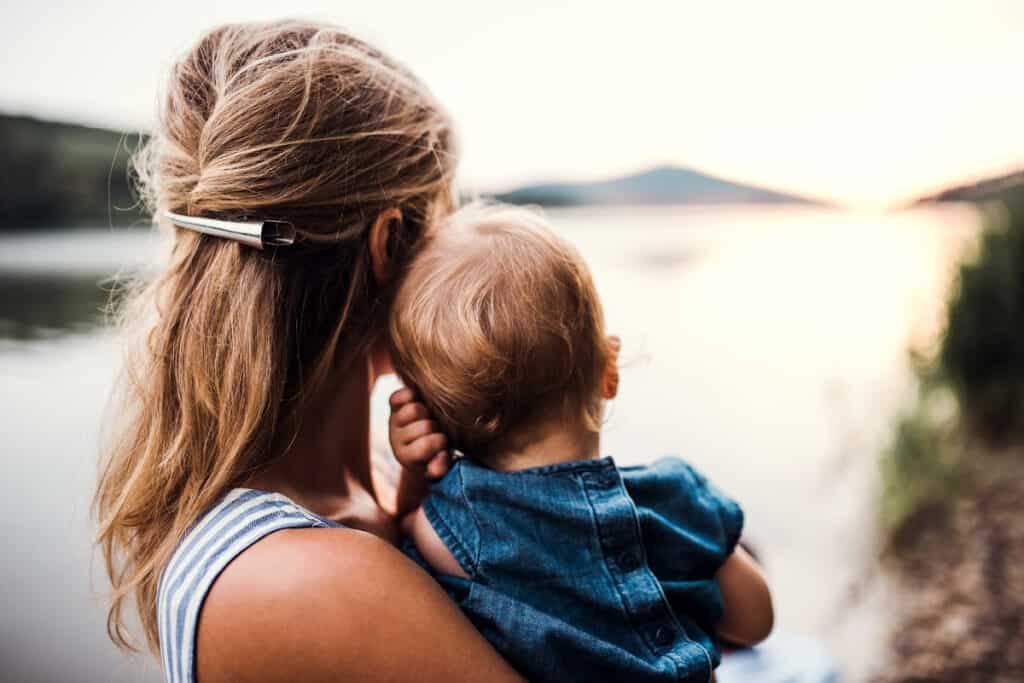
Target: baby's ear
{"x": 610, "y": 383}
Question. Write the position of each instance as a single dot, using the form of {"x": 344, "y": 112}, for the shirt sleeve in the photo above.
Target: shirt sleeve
{"x": 450, "y": 513}
{"x": 688, "y": 523}
{"x": 689, "y": 529}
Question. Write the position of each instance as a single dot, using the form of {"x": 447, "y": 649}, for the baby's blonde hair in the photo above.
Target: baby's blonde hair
{"x": 499, "y": 329}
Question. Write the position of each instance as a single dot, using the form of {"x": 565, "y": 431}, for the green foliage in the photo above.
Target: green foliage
{"x": 921, "y": 467}
{"x": 62, "y": 175}
{"x": 972, "y": 395}
{"x": 982, "y": 353}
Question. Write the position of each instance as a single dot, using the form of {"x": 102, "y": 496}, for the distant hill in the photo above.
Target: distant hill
{"x": 996, "y": 187}
{"x": 66, "y": 175}
{"x": 660, "y": 185}
{"x": 63, "y": 175}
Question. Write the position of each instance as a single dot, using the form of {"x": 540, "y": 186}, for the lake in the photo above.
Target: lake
{"x": 767, "y": 345}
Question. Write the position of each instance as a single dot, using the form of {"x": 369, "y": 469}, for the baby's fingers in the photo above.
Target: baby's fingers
{"x": 411, "y": 432}
{"x": 400, "y": 397}
{"x": 439, "y": 465}
{"x": 422, "y": 450}
{"x": 408, "y": 413}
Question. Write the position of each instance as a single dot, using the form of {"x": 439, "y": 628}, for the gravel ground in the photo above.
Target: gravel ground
{"x": 963, "y": 567}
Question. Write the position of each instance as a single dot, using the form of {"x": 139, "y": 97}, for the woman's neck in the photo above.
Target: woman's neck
{"x": 326, "y": 467}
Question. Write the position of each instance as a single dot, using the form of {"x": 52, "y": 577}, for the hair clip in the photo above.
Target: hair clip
{"x": 257, "y": 234}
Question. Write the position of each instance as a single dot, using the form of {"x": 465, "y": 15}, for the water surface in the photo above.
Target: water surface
{"x": 766, "y": 345}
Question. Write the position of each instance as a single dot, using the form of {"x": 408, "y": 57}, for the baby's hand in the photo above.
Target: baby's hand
{"x": 416, "y": 440}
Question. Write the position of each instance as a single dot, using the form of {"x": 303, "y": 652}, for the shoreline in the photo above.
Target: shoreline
{"x": 962, "y": 568}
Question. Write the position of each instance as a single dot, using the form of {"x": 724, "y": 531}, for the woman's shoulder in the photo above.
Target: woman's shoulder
{"x": 236, "y": 522}
{"x": 323, "y": 604}
{"x": 284, "y": 601}
{"x": 299, "y": 571}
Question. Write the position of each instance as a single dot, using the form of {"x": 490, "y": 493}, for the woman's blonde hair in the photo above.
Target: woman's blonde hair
{"x": 284, "y": 120}
{"x": 498, "y": 327}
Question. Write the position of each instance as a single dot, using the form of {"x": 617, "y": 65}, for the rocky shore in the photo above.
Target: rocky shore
{"x": 962, "y": 564}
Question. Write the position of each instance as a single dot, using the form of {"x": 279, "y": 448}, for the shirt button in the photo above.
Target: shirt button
{"x": 628, "y": 561}
{"x": 663, "y": 636}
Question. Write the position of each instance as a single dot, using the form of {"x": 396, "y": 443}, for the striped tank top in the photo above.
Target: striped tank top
{"x": 241, "y": 518}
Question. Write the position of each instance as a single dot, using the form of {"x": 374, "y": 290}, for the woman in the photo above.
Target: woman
{"x": 253, "y": 370}
{"x": 239, "y": 505}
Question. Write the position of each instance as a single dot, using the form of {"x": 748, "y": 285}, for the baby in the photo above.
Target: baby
{"x": 572, "y": 567}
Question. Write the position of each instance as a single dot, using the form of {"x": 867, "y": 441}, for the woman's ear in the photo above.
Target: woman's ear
{"x": 388, "y": 221}
{"x": 610, "y": 383}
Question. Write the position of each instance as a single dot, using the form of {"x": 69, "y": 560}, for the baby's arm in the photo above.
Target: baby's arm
{"x": 749, "y": 615}
{"x": 430, "y": 545}
{"x": 418, "y": 445}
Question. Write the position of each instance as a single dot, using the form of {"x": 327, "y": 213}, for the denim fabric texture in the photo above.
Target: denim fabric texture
{"x": 584, "y": 571}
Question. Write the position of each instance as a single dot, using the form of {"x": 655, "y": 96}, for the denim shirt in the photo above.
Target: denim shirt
{"x": 583, "y": 571}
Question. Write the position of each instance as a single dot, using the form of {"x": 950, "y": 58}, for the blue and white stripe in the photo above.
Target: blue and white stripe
{"x": 241, "y": 518}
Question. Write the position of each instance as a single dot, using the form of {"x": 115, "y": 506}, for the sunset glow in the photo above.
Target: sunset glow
{"x": 865, "y": 103}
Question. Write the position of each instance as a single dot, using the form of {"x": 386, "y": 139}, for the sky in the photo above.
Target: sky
{"x": 866, "y": 103}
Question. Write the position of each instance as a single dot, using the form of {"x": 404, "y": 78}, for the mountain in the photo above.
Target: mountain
{"x": 660, "y": 185}
{"x": 62, "y": 175}
{"x": 995, "y": 187}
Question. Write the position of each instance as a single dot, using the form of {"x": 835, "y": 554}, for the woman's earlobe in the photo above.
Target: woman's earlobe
{"x": 387, "y": 222}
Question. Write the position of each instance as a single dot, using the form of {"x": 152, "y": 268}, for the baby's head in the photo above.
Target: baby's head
{"x": 498, "y": 327}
